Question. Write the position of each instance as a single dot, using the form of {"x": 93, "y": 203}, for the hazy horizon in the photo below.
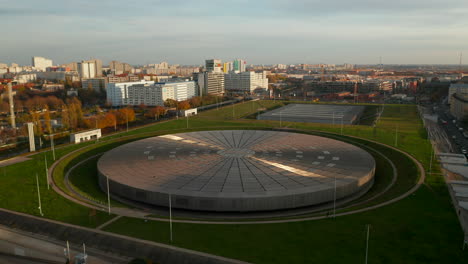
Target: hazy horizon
{"x": 261, "y": 32}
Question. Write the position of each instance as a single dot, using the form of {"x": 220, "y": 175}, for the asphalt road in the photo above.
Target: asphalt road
{"x": 455, "y": 136}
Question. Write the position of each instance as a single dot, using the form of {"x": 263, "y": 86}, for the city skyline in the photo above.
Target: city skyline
{"x": 262, "y": 32}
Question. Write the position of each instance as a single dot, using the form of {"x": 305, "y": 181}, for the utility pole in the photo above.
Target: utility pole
{"x": 396, "y": 136}
{"x": 187, "y": 120}
{"x": 430, "y": 162}
{"x": 342, "y": 114}
{"x": 333, "y": 118}
{"x": 170, "y": 217}
{"x": 367, "y": 243}
{"x": 39, "y": 196}
{"x": 334, "y": 201}
{"x": 281, "y": 119}
{"x": 67, "y": 253}
{"x": 126, "y": 115}
{"x": 52, "y": 145}
{"x": 46, "y": 171}
{"x": 108, "y": 196}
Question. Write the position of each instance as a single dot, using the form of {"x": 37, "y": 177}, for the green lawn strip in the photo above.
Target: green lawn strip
{"x": 84, "y": 179}
{"x": 418, "y": 229}
{"x": 19, "y": 193}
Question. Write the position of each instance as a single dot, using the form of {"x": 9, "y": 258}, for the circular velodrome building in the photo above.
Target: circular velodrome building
{"x": 236, "y": 170}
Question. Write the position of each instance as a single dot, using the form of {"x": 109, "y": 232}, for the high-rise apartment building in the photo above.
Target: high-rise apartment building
{"x": 245, "y": 82}
{"x": 118, "y": 67}
{"x": 227, "y": 67}
{"x": 149, "y": 93}
{"x": 41, "y": 63}
{"x": 210, "y": 83}
{"x": 239, "y": 65}
{"x": 213, "y": 65}
{"x": 98, "y": 64}
{"x": 87, "y": 69}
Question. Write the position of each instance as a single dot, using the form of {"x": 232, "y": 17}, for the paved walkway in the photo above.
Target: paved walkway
{"x": 14, "y": 160}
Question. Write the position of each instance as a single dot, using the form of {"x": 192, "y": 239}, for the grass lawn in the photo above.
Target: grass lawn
{"x": 406, "y": 232}
{"x": 422, "y": 228}
{"x": 19, "y": 193}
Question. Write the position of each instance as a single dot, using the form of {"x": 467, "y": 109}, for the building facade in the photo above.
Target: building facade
{"x": 87, "y": 69}
{"x": 459, "y": 106}
{"x": 245, "y": 82}
{"x": 149, "y": 93}
{"x": 457, "y": 88}
{"x": 239, "y": 65}
{"x": 94, "y": 83}
{"x": 41, "y": 63}
{"x": 213, "y": 65}
{"x": 210, "y": 83}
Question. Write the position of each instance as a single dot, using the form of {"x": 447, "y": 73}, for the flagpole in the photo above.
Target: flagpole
{"x": 39, "y": 195}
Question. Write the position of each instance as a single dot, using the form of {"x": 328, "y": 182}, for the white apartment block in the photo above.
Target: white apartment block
{"x": 41, "y": 63}
{"x": 149, "y": 93}
{"x": 87, "y": 69}
{"x": 245, "y": 82}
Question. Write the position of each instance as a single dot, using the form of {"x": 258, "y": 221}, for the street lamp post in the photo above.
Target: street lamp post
{"x": 108, "y": 196}
{"x": 396, "y": 136}
{"x": 281, "y": 118}
{"x": 39, "y": 196}
{"x": 367, "y": 243}
{"x": 342, "y": 123}
{"x": 170, "y": 216}
{"x": 334, "y": 201}
{"x": 52, "y": 145}
{"x": 46, "y": 171}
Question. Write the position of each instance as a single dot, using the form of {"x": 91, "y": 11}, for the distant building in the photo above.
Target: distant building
{"x": 122, "y": 78}
{"x": 245, "y": 82}
{"x": 25, "y": 77}
{"x": 227, "y": 67}
{"x": 85, "y": 136}
{"x": 59, "y": 76}
{"x": 94, "y": 83}
{"x": 459, "y": 88}
{"x": 459, "y": 106}
{"x": 118, "y": 67}
{"x": 87, "y": 69}
{"x": 239, "y": 65}
{"x": 213, "y": 65}
{"x": 149, "y": 93}
{"x": 210, "y": 83}
{"x": 50, "y": 87}
{"x": 41, "y": 63}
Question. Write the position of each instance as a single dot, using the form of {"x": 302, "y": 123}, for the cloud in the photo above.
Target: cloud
{"x": 261, "y": 31}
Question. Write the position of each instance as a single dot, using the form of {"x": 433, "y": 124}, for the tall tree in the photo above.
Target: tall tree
{"x": 48, "y": 125}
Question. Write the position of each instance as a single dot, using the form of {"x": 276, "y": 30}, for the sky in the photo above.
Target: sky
{"x": 259, "y": 31}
